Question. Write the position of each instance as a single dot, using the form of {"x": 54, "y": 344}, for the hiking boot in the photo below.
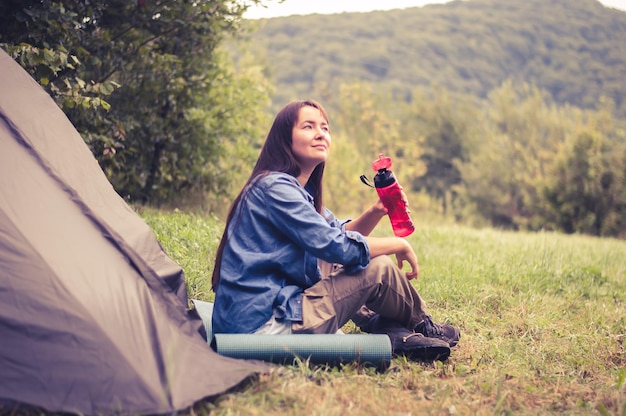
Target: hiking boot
{"x": 407, "y": 343}
{"x": 444, "y": 332}
{"x": 415, "y": 346}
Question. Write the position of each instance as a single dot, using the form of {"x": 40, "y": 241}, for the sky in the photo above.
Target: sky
{"x": 291, "y": 7}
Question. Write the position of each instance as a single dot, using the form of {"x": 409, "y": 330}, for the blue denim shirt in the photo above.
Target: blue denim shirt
{"x": 274, "y": 241}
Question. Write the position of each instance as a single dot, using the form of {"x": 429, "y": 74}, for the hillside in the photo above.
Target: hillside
{"x": 575, "y": 49}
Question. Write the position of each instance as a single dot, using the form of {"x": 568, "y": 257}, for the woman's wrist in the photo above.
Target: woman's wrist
{"x": 378, "y": 210}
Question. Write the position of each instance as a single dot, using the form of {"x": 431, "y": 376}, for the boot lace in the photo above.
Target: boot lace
{"x": 431, "y": 328}
{"x": 414, "y": 334}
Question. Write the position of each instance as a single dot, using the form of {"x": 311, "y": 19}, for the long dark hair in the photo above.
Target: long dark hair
{"x": 277, "y": 156}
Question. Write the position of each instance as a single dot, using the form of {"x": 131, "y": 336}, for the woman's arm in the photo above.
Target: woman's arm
{"x": 380, "y": 246}
{"x": 367, "y": 221}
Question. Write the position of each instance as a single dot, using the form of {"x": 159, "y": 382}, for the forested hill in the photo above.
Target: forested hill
{"x": 574, "y": 49}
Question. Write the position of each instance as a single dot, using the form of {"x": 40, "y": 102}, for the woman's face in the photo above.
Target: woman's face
{"x": 310, "y": 138}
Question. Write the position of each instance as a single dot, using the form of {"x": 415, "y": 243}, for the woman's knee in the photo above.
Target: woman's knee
{"x": 382, "y": 262}
{"x": 381, "y": 267}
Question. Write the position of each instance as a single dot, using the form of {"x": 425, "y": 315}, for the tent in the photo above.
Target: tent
{"x": 93, "y": 313}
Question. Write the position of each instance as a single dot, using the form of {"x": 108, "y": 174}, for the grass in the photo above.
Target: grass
{"x": 543, "y": 321}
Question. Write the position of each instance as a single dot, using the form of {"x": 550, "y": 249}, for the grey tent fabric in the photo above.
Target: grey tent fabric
{"x": 93, "y": 313}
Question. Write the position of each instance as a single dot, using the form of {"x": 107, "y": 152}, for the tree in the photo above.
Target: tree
{"x": 540, "y": 166}
{"x": 573, "y": 49}
{"x": 152, "y": 143}
{"x": 39, "y": 35}
{"x": 443, "y": 123}
{"x": 586, "y": 190}
{"x": 520, "y": 135}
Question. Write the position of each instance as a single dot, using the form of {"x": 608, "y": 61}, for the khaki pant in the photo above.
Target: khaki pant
{"x": 380, "y": 288}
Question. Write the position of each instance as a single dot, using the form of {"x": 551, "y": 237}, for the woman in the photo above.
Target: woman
{"x": 286, "y": 265}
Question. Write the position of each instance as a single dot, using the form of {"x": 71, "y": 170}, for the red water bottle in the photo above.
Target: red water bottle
{"x": 393, "y": 198}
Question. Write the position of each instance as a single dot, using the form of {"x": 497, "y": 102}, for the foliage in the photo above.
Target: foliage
{"x": 585, "y": 194}
{"x": 574, "y": 50}
{"x": 521, "y": 133}
{"x": 47, "y": 65}
{"x": 445, "y": 122}
{"x": 533, "y": 179}
{"x": 481, "y": 108}
{"x": 170, "y": 94}
{"x": 476, "y": 124}
{"x": 43, "y": 37}
{"x": 506, "y": 162}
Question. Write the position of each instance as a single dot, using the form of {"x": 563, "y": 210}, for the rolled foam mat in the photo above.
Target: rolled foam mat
{"x": 331, "y": 349}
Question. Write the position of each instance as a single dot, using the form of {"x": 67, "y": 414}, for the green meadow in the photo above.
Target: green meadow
{"x": 542, "y": 316}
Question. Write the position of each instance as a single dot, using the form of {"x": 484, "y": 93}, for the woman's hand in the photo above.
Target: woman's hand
{"x": 399, "y": 247}
{"x": 408, "y": 255}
